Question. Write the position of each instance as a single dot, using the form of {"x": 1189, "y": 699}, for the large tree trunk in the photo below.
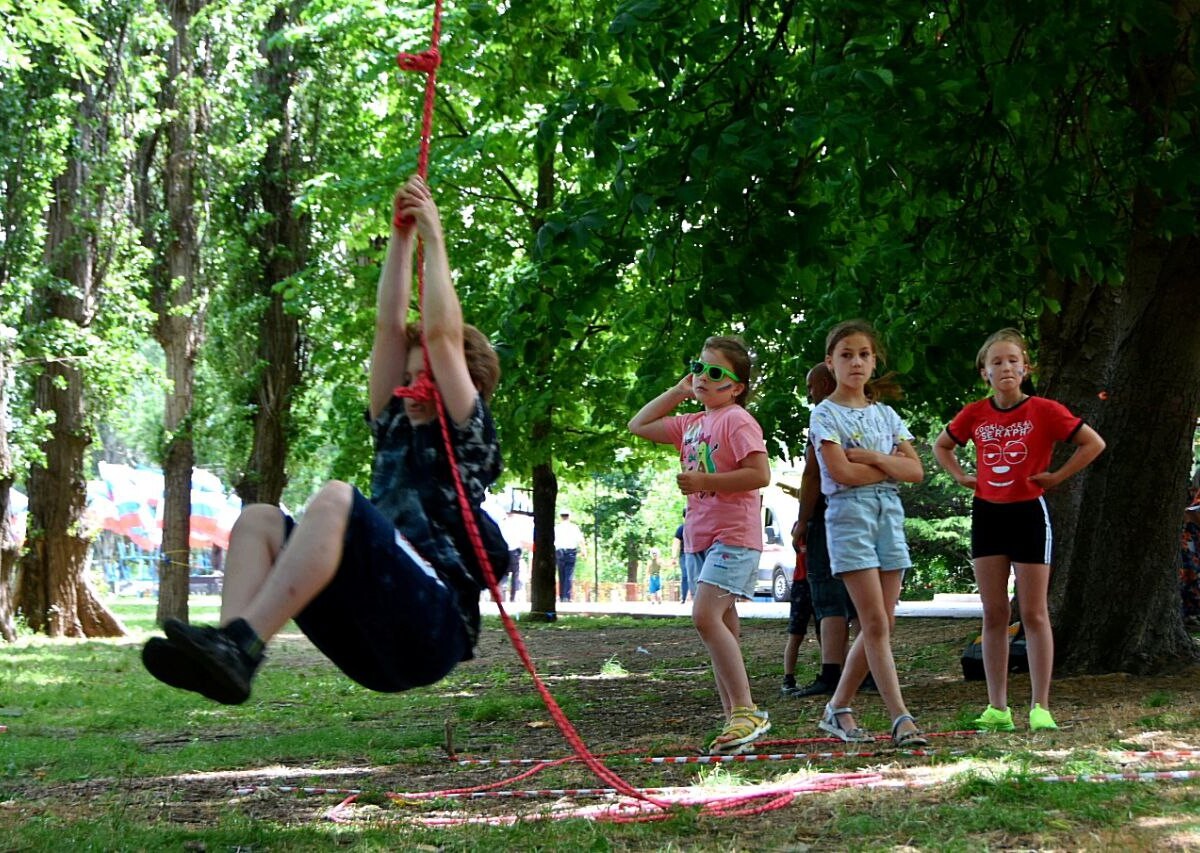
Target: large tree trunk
{"x": 282, "y": 246}
{"x": 1117, "y": 526}
{"x": 180, "y": 313}
{"x": 53, "y": 594}
{"x": 1128, "y": 359}
{"x": 8, "y": 549}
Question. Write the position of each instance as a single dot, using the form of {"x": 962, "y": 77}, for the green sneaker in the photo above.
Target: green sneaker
{"x": 1040, "y": 719}
{"x": 992, "y": 720}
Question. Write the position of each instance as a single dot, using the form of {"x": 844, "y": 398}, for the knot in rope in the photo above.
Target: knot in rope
{"x": 425, "y": 62}
{"x": 422, "y": 390}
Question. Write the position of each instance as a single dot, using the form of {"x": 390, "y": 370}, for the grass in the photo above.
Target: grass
{"x": 99, "y": 756}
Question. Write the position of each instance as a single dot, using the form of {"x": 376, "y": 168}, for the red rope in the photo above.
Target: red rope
{"x": 427, "y": 63}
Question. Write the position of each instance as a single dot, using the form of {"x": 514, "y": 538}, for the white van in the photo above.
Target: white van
{"x": 780, "y": 509}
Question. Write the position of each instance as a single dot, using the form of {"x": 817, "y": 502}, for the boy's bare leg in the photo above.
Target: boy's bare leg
{"x": 254, "y": 545}
{"x": 301, "y": 570}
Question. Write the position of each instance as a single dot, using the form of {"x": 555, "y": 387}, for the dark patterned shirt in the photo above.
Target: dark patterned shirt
{"x": 411, "y": 483}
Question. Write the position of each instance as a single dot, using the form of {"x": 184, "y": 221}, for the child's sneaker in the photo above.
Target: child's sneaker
{"x": 1040, "y": 719}
{"x": 227, "y": 670}
{"x": 992, "y": 720}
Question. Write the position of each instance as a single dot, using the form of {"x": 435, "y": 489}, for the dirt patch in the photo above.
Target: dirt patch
{"x": 645, "y": 691}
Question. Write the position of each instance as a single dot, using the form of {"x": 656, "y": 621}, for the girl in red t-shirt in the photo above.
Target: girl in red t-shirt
{"x": 1014, "y": 436}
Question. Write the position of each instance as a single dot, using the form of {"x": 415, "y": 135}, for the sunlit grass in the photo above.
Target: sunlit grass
{"x": 84, "y": 713}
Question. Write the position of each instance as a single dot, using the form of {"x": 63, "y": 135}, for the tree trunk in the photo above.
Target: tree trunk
{"x": 544, "y": 571}
{"x": 1127, "y": 358}
{"x": 52, "y": 594}
{"x": 8, "y": 549}
{"x": 283, "y": 251}
{"x": 180, "y": 311}
{"x": 1117, "y": 524}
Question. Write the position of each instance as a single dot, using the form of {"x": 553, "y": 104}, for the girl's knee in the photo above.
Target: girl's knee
{"x": 1035, "y": 622}
{"x": 709, "y": 618}
{"x": 876, "y": 628}
{"x": 997, "y": 614}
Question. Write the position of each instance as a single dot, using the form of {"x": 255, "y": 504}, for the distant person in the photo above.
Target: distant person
{"x": 677, "y": 551}
{"x": 387, "y": 588}
{"x": 864, "y": 450}
{"x": 724, "y": 461}
{"x": 1014, "y": 435}
{"x": 800, "y": 613}
{"x": 654, "y": 578}
{"x": 513, "y": 530}
{"x": 1189, "y": 566}
{"x": 808, "y": 539}
{"x": 568, "y": 544}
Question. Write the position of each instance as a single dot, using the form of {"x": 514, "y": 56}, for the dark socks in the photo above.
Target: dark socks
{"x": 248, "y": 642}
{"x": 831, "y": 673}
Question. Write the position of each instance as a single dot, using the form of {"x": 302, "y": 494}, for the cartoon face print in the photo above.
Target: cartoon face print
{"x": 1001, "y": 459}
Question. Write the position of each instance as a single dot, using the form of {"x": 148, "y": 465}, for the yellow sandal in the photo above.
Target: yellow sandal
{"x": 745, "y": 725}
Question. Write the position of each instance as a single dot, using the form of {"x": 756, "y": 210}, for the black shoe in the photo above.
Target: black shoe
{"x": 171, "y": 666}
{"x": 789, "y": 688}
{"x": 817, "y": 688}
{"x": 226, "y": 671}
{"x": 868, "y": 685}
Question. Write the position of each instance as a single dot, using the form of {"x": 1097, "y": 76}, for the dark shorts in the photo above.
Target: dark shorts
{"x": 801, "y": 610}
{"x": 829, "y": 595}
{"x": 1020, "y": 531}
{"x": 385, "y": 619}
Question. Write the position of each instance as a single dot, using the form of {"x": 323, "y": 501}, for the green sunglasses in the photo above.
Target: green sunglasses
{"x": 713, "y": 371}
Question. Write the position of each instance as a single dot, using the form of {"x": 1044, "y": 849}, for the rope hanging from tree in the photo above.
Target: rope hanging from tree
{"x": 427, "y": 62}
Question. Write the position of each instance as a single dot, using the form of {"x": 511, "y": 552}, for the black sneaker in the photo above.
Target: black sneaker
{"x": 788, "y": 689}
{"x": 171, "y": 666}
{"x": 817, "y": 688}
{"x": 226, "y": 670}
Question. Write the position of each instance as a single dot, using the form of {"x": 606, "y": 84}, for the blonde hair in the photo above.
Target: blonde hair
{"x": 885, "y": 387}
{"x": 733, "y": 349}
{"x": 1007, "y": 336}
{"x": 482, "y": 362}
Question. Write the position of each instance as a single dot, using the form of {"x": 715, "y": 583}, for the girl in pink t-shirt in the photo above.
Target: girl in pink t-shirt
{"x": 724, "y": 464}
{"x": 1014, "y": 435}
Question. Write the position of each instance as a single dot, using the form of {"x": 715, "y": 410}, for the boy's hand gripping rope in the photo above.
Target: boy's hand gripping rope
{"x": 427, "y": 63}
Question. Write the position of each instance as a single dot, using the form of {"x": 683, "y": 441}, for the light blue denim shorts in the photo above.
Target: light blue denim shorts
{"x": 730, "y": 567}
{"x": 864, "y": 528}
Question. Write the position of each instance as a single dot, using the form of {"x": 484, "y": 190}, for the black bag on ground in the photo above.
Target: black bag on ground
{"x": 1018, "y": 659}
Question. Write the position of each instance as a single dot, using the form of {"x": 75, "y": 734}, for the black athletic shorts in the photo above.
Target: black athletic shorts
{"x": 1020, "y": 531}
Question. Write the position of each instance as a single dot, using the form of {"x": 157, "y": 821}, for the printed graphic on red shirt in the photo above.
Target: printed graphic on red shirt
{"x": 1002, "y": 452}
{"x": 1012, "y": 445}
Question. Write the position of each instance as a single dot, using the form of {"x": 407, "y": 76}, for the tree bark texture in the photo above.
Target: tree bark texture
{"x": 53, "y": 594}
{"x": 8, "y": 550}
{"x": 180, "y": 314}
{"x": 544, "y": 570}
{"x": 283, "y": 251}
{"x": 1117, "y": 527}
{"x": 1128, "y": 360}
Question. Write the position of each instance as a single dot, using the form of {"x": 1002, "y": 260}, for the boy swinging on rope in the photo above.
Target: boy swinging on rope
{"x": 387, "y": 588}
